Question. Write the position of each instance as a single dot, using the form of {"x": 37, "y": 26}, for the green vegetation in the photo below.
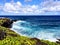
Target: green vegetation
{"x": 9, "y": 37}
{"x": 49, "y": 43}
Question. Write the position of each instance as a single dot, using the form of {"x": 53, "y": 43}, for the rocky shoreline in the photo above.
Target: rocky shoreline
{"x": 6, "y": 22}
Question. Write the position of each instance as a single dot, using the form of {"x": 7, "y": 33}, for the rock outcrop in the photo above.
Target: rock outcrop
{"x": 58, "y": 41}
{"x": 38, "y": 42}
{"x": 2, "y": 34}
{"x": 5, "y": 22}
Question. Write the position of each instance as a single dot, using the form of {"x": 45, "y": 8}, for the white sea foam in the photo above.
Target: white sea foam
{"x": 26, "y": 29}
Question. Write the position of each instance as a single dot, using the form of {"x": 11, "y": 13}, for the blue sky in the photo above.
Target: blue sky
{"x": 29, "y": 7}
{"x": 24, "y": 1}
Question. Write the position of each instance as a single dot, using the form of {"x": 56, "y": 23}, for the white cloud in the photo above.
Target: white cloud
{"x": 14, "y": 8}
{"x": 51, "y": 6}
{"x": 44, "y": 7}
{"x": 18, "y": 8}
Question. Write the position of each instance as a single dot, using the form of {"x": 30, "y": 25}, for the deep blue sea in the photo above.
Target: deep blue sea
{"x": 42, "y": 27}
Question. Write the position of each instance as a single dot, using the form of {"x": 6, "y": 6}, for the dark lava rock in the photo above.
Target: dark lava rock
{"x": 38, "y": 41}
{"x": 2, "y": 35}
{"x": 6, "y": 22}
{"x": 58, "y": 41}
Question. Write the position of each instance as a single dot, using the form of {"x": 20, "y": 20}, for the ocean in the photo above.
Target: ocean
{"x": 41, "y": 27}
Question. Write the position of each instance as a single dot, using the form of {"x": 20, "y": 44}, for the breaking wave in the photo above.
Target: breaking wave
{"x": 29, "y": 29}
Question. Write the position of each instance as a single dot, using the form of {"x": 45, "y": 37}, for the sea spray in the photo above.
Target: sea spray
{"x": 26, "y": 28}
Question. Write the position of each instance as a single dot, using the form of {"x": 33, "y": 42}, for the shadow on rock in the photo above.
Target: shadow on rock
{"x": 2, "y": 35}
{"x": 58, "y": 41}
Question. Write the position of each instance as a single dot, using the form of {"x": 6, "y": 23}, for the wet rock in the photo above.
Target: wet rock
{"x": 38, "y": 42}
{"x": 58, "y": 41}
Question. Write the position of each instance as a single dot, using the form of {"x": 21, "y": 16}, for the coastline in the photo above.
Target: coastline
{"x": 12, "y": 33}
{"x": 52, "y": 40}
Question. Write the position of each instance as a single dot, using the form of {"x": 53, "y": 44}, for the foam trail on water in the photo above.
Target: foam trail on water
{"x": 27, "y": 29}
